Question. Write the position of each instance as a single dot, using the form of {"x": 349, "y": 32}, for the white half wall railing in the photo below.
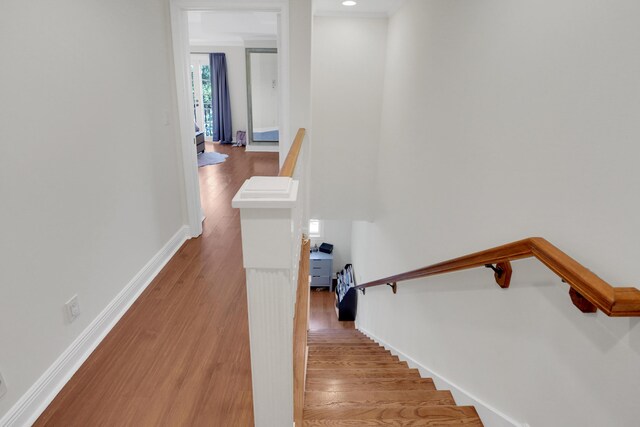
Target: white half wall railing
{"x": 271, "y": 215}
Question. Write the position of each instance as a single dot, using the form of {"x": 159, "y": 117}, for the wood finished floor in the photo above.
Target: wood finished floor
{"x": 322, "y": 313}
{"x": 180, "y": 355}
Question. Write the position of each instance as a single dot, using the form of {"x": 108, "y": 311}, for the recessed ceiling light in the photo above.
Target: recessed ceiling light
{"x": 349, "y": 3}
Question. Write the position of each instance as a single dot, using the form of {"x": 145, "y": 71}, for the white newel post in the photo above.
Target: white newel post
{"x": 271, "y": 235}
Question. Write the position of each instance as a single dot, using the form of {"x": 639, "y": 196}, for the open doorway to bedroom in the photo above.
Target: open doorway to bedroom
{"x": 218, "y": 33}
{"x": 234, "y": 79}
{"x": 231, "y": 89}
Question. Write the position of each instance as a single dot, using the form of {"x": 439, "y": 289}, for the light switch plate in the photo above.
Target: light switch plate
{"x": 3, "y": 386}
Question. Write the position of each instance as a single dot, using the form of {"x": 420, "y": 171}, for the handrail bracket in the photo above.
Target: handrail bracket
{"x": 583, "y": 304}
{"x": 502, "y": 273}
{"x": 394, "y": 287}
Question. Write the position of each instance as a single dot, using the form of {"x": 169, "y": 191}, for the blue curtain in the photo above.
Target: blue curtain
{"x": 221, "y": 103}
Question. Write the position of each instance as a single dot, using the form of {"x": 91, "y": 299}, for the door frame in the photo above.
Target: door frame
{"x": 184, "y": 97}
{"x": 247, "y": 52}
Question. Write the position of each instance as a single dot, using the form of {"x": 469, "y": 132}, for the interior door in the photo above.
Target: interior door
{"x": 201, "y": 87}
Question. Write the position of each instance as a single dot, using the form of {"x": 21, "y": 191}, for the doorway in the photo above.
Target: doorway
{"x": 183, "y": 46}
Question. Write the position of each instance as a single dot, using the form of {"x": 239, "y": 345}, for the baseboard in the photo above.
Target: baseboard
{"x": 490, "y": 416}
{"x": 29, "y": 407}
{"x": 255, "y": 148}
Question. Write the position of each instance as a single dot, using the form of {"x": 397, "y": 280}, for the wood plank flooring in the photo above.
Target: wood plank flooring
{"x": 323, "y": 311}
{"x": 180, "y": 355}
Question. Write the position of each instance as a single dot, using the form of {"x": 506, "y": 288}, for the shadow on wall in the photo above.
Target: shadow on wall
{"x": 634, "y": 335}
{"x": 602, "y": 331}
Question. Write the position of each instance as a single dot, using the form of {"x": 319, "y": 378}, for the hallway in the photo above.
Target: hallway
{"x": 180, "y": 355}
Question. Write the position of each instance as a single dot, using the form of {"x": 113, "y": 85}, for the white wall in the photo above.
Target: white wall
{"x": 90, "y": 179}
{"x": 297, "y": 70}
{"x": 348, "y": 59}
{"x": 237, "y": 77}
{"x": 338, "y": 233}
{"x": 503, "y": 120}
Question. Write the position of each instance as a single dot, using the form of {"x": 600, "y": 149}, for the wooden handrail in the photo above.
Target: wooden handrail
{"x": 300, "y": 328}
{"x": 588, "y": 292}
{"x": 289, "y": 165}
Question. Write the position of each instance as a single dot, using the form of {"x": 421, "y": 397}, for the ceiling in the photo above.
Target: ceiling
{"x": 363, "y": 8}
{"x": 230, "y": 28}
{"x": 236, "y": 28}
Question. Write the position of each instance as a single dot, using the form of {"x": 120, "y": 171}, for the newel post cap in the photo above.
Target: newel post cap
{"x": 267, "y": 206}
{"x": 267, "y": 192}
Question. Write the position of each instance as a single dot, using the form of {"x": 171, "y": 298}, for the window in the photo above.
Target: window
{"x": 206, "y": 99}
{"x": 315, "y": 228}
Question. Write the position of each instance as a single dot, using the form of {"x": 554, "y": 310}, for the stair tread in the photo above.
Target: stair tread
{"x": 372, "y": 412}
{"x": 354, "y": 364}
{"x": 345, "y": 349}
{"x": 331, "y": 335}
{"x": 353, "y": 381}
{"x": 326, "y": 399}
{"x": 368, "y": 384}
{"x": 363, "y": 357}
{"x": 326, "y": 336}
{"x": 344, "y": 344}
{"x": 364, "y": 373}
{"x": 337, "y": 333}
{"x": 396, "y": 396}
{"x": 423, "y": 422}
{"x": 340, "y": 341}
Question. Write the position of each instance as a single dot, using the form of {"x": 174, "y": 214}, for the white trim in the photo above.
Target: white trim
{"x": 31, "y": 405}
{"x": 259, "y": 148}
{"x": 184, "y": 99}
{"x": 491, "y": 417}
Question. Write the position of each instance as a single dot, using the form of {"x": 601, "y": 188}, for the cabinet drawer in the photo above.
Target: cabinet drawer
{"x": 320, "y": 280}
{"x": 320, "y": 267}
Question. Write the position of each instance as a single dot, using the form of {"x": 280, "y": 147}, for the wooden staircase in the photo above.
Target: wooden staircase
{"x": 353, "y": 381}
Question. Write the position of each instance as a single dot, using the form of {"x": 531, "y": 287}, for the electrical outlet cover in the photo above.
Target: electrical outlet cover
{"x": 3, "y": 386}
{"x": 72, "y": 308}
